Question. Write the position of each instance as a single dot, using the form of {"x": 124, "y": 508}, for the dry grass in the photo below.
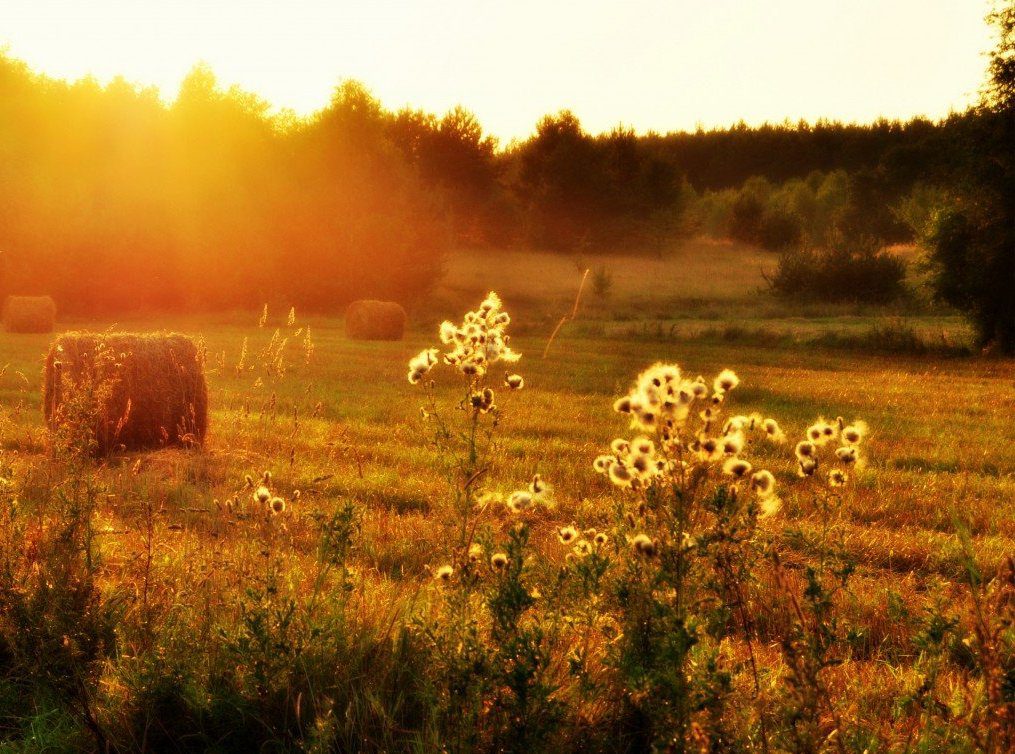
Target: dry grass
{"x": 346, "y": 428}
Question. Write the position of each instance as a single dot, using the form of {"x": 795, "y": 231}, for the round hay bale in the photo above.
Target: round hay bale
{"x": 129, "y": 391}
{"x": 375, "y": 320}
{"x": 29, "y": 314}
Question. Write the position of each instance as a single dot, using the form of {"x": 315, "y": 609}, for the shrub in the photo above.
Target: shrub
{"x": 780, "y": 229}
{"x": 846, "y": 272}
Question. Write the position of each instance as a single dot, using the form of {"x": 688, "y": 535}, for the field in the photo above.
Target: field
{"x": 201, "y": 591}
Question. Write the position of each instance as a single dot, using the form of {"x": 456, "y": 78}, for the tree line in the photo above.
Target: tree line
{"x": 112, "y": 200}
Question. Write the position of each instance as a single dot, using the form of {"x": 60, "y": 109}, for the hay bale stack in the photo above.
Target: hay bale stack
{"x": 136, "y": 391}
{"x": 375, "y": 320}
{"x": 29, "y": 314}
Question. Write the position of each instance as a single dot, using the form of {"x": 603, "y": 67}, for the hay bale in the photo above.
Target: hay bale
{"x": 28, "y": 314}
{"x": 135, "y": 391}
{"x": 375, "y": 320}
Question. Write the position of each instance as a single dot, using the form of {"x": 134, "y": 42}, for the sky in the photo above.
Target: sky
{"x": 661, "y": 65}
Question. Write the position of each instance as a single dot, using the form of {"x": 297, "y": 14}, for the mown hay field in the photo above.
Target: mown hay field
{"x": 178, "y": 546}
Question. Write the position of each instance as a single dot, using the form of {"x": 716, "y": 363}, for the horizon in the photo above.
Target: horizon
{"x": 907, "y": 77}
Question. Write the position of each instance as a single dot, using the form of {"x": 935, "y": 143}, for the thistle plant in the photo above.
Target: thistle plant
{"x": 472, "y": 349}
{"x": 490, "y": 648}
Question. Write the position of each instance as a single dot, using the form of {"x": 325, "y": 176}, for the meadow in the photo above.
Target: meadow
{"x": 202, "y": 624}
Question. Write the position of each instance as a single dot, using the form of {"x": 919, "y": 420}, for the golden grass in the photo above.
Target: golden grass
{"x": 346, "y": 427}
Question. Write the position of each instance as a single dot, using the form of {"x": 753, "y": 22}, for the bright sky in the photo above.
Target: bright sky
{"x": 662, "y": 65}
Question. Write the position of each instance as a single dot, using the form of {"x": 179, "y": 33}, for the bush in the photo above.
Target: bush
{"x": 780, "y": 229}
{"x": 859, "y": 271}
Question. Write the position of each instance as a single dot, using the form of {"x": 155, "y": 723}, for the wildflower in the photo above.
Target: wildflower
{"x": 498, "y": 560}
{"x": 448, "y": 332}
{"x": 726, "y": 381}
{"x": 737, "y": 468}
{"x": 601, "y": 538}
{"x": 262, "y": 495}
{"x": 622, "y": 405}
{"x": 644, "y": 446}
{"x": 773, "y": 431}
{"x": 519, "y": 501}
{"x": 620, "y": 446}
{"x": 847, "y": 454}
{"x": 821, "y": 432}
{"x": 277, "y": 505}
{"x": 643, "y": 465}
{"x": 732, "y": 444}
{"x": 644, "y": 545}
{"x": 853, "y": 433}
{"x": 444, "y": 573}
{"x": 708, "y": 449}
{"x": 698, "y": 388}
{"x": 514, "y": 381}
{"x": 566, "y": 534}
{"x": 537, "y": 486}
{"x": 483, "y": 401}
{"x": 582, "y": 548}
{"x": 836, "y": 478}
{"x": 763, "y": 483}
{"x": 602, "y": 463}
{"x": 805, "y": 449}
{"x": 475, "y": 551}
{"x": 807, "y": 467}
{"x": 620, "y": 475}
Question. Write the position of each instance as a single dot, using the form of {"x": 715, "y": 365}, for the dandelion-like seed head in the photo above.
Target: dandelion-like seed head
{"x": 537, "y": 486}
{"x": 620, "y": 474}
{"x": 853, "y": 434}
{"x": 805, "y": 449}
{"x": 475, "y": 552}
{"x": 602, "y": 463}
{"x": 582, "y": 548}
{"x": 498, "y": 561}
{"x": 644, "y": 545}
{"x": 806, "y": 467}
{"x": 277, "y": 505}
{"x": 732, "y": 444}
{"x": 763, "y": 483}
{"x": 725, "y": 381}
{"x": 708, "y": 448}
{"x": 847, "y": 454}
{"x": 444, "y": 573}
{"x": 837, "y": 478}
{"x": 773, "y": 431}
{"x": 737, "y": 468}
{"x": 519, "y": 501}
{"x": 699, "y": 388}
{"x": 262, "y": 495}
{"x": 601, "y": 538}
{"x": 644, "y": 446}
{"x": 567, "y": 534}
{"x": 514, "y": 381}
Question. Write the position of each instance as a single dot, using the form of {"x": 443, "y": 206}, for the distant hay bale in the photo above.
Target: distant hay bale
{"x": 136, "y": 391}
{"x": 29, "y": 314}
{"x": 375, "y": 320}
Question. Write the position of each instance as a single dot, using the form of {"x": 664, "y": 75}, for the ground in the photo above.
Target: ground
{"x": 346, "y": 426}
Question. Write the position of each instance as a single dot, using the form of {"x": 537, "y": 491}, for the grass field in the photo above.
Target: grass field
{"x": 183, "y": 570}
